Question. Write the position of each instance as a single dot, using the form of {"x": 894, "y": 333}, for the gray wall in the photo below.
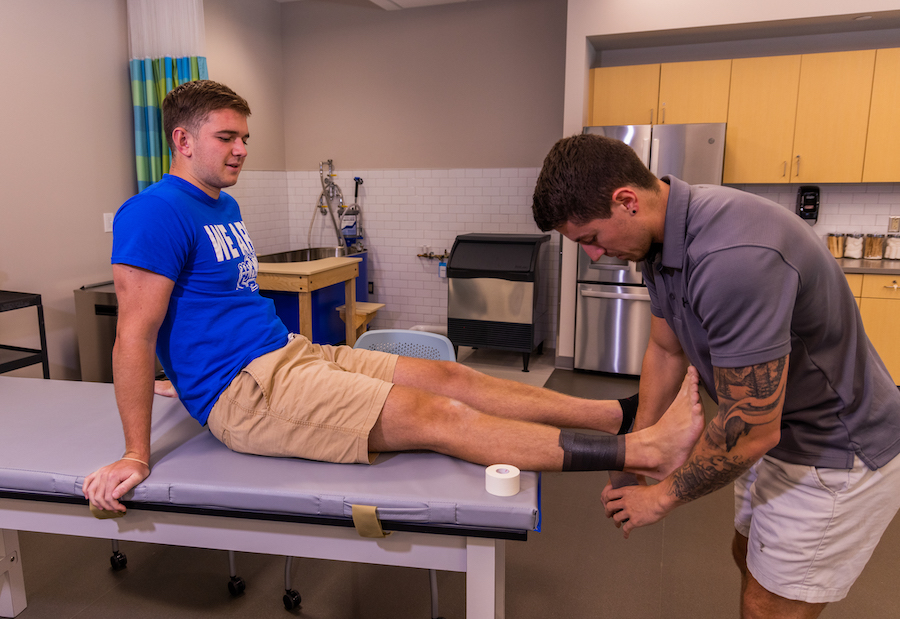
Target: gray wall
{"x": 463, "y": 85}
{"x": 68, "y": 157}
{"x": 244, "y": 50}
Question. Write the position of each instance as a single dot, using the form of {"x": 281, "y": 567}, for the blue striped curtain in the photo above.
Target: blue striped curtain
{"x": 151, "y": 80}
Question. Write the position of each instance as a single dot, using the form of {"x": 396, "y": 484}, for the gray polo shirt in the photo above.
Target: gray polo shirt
{"x": 743, "y": 281}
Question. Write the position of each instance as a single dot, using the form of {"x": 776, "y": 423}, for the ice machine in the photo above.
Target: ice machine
{"x": 497, "y": 294}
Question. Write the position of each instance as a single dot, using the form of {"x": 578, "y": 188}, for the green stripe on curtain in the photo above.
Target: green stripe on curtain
{"x": 151, "y": 80}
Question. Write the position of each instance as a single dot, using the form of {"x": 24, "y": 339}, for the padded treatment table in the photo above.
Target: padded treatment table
{"x": 200, "y": 494}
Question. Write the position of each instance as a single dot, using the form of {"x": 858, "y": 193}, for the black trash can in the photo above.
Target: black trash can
{"x": 497, "y": 296}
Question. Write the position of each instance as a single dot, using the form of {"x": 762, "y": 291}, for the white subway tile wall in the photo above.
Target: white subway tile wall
{"x": 410, "y": 212}
{"x": 844, "y": 208}
{"x": 263, "y": 197}
{"x": 404, "y": 213}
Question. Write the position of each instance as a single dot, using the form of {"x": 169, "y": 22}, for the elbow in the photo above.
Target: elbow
{"x": 768, "y": 442}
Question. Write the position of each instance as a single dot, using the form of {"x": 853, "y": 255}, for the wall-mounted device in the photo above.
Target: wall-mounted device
{"x": 808, "y": 203}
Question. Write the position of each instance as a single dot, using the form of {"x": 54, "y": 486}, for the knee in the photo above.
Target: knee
{"x": 450, "y": 373}
{"x": 457, "y": 371}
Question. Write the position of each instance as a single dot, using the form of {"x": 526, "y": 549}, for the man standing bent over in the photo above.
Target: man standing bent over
{"x": 808, "y": 423}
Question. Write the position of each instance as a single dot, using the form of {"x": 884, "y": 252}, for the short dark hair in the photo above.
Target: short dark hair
{"x": 579, "y": 177}
{"x": 190, "y": 104}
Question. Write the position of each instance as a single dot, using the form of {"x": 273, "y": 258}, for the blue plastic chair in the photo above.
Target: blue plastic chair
{"x": 422, "y": 345}
{"x": 419, "y": 344}
{"x": 406, "y": 343}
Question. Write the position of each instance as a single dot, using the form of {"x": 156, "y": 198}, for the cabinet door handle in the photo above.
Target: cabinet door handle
{"x": 662, "y": 119}
{"x": 894, "y": 286}
{"x": 798, "y": 166}
{"x": 784, "y": 170}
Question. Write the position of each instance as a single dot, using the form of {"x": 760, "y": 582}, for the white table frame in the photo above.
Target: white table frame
{"x": 481, "y": 558}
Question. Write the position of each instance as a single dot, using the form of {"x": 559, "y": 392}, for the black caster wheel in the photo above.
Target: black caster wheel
{"x": 291, "y": 599}
{"x": 118, "y": 561}
{"x": 236, "y": 585}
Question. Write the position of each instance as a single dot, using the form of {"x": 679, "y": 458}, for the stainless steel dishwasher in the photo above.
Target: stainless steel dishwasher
{"x": 612, "y": 316}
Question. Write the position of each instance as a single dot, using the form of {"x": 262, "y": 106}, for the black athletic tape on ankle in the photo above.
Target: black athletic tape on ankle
{"x": 629, "y": 412}
{"x": 591, "y": 452}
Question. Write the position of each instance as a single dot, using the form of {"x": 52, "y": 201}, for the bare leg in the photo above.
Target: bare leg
{"x": 417, "y": 419}
{"x": 505, "y": 398}
{"x": 759, "y": 603}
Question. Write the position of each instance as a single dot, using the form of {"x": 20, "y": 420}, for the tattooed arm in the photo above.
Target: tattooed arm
{"x": 747, "y": 425}
{"x": 666, "y": 362}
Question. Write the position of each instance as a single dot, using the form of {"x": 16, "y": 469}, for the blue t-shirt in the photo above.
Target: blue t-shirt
{"x": 216, "y": 322}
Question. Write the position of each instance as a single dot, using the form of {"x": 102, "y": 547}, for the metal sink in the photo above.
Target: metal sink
{"x": 305, "y": 255}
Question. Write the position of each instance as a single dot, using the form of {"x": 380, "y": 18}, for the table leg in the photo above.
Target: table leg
{"x": 485, "y": 578}
{"x": 12, "y": 581}
{"x": 305, "y": 303}
{"x": 350, "y": 311}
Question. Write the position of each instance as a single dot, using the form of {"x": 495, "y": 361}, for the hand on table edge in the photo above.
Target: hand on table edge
{"x": 104, "y": 487}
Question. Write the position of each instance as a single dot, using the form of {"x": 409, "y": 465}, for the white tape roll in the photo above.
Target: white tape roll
{"x": 502, "y": 480}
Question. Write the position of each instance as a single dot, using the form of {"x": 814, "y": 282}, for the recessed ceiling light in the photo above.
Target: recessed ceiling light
{"x": 862, "y": 18}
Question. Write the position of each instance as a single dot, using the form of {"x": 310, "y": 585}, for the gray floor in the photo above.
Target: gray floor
{"x": 578, "y": 566}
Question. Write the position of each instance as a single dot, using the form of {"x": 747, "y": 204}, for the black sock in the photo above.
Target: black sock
{"x": 629, "y": 412}
{"x": 590, "y": 452}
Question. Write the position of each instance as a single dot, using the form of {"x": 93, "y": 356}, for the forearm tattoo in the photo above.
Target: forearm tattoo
{"x": 702, "y": 475}
{"x": 749, "y": 397}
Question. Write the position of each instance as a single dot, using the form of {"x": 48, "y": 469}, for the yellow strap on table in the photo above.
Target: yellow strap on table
{"x": 103, "y": 514}
{"x": 366, "y": 521}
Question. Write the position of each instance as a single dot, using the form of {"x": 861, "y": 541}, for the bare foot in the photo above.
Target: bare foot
{"x": 164, "y": 387}
{"x": 663, "y": 447}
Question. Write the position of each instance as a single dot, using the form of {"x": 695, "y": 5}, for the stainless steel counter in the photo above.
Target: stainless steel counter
{"x": 878, "y": 267}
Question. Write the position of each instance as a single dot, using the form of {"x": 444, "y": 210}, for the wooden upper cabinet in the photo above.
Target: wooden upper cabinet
{"x": 882, "y": 153}
{"x": 832, "y": 117}
{"x": 624, "y": 95}
{"x": 694, "y": 92}
{"x": 760, "y": 133}
{"x": 649, "y": 94}
{"x": 812, "y": 118}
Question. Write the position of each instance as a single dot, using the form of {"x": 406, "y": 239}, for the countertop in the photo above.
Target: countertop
{"x": 310, "y": 267}
{"x": 877, "y": 267}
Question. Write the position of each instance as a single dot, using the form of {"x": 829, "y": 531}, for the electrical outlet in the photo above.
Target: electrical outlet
{"x": 893, "y": 224}
{"x": 107, "y": 221}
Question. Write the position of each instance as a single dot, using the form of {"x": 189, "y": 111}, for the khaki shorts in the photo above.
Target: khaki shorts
{"x": 305, "y": 401}
{"x": 812, "y": 530}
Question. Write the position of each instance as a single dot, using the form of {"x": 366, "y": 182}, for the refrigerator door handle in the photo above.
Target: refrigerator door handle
{"x": 645, "y": 151}
{"x": 654, "y": 156}
{"x": 595, "y": 294}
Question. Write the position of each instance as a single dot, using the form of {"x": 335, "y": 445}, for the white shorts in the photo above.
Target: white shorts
{"x": 812, "y": 530}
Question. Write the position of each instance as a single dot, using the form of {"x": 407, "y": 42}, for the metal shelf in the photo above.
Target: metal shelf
{"x": 16, "y": 357}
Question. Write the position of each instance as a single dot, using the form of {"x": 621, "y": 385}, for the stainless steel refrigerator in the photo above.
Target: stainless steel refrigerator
{"x": 612, "y": 311}
{"x": 694, "y": 153}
